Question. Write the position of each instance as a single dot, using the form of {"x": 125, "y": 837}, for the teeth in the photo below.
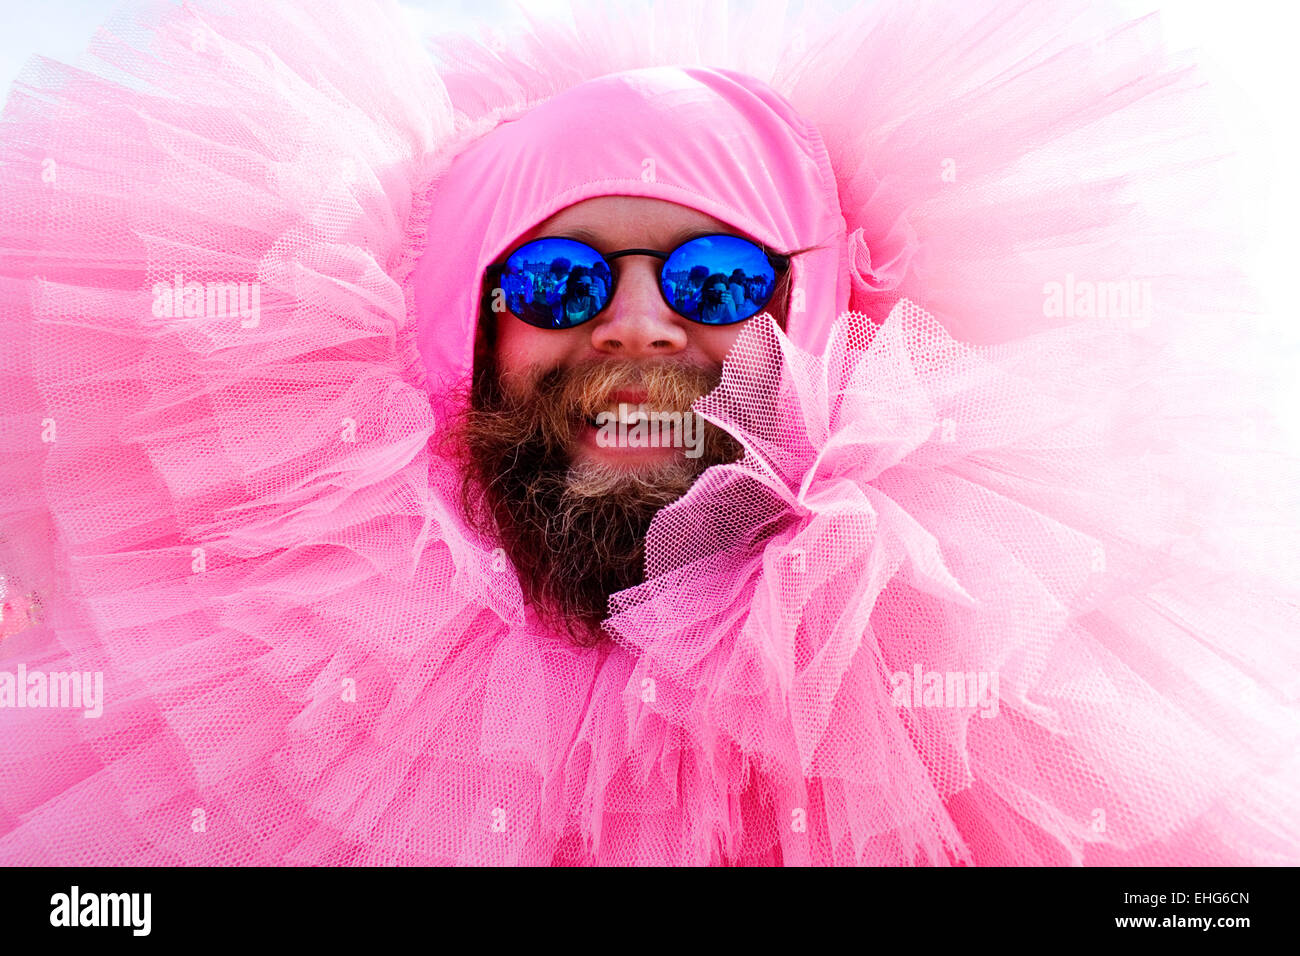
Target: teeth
{"x": 623, "y": 414}
{"x": 631, "y": 414}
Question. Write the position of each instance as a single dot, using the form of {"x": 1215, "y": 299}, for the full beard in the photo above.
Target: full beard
{"x": 574, "y": 528}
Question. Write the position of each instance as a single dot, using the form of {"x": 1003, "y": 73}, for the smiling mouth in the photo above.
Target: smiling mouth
{"x": 622, "y": 414}
{"x": 624, "y": 404}
{"x": 630, "y": 434}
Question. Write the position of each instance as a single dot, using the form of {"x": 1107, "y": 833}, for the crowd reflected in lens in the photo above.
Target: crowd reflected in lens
{"x": 559, "y": 283}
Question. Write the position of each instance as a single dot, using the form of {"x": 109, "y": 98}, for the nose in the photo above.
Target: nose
{"x": 638, "y": 322}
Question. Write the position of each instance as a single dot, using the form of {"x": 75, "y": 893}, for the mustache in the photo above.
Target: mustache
{"x": 552, "y": 403}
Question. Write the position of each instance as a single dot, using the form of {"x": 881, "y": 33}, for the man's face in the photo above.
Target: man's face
{"x": 571, "y": 493}
{"x": 637, "y": 327}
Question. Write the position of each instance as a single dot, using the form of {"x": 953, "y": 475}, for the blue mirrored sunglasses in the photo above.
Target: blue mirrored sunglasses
{"x": 717, "y": 279}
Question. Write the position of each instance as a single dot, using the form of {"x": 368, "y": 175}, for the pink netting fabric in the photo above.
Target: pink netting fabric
{"x": 910, "y": 505}
{"x": 238, "y": 519}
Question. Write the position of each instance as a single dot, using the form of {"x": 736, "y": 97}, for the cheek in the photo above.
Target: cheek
{"x": 520, "y": 345}
{"x": 716, "y": 342}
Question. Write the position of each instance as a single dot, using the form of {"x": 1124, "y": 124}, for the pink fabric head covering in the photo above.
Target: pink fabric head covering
{"x": 715, "y": 140}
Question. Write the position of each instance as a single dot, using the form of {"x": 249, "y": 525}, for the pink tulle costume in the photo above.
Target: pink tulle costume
{"x": 1005, "y": 575}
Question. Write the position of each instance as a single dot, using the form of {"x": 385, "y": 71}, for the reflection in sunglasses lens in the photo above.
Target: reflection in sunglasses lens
{"x": 718, "y": 280}
{"x": 555, "y": 283}
{"x": 558, "y": 283}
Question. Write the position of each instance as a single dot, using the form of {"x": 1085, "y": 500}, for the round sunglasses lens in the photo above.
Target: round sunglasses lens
{"x": 555, "y": 283}
{"x": 718, "y": 280}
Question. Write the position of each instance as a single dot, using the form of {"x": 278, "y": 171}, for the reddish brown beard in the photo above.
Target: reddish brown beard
{"x": 574, "y": 532}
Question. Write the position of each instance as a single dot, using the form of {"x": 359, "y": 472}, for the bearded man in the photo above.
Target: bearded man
{"x": 746, "y": 189}
{"x": 570, "y": 496}
{"x": 925, "y": 561}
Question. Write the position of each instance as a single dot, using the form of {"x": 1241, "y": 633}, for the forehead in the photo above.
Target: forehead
{"x": 616, "y": 222}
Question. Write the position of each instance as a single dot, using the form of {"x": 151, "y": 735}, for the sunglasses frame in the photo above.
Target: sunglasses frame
{"x": 779, "y": 263}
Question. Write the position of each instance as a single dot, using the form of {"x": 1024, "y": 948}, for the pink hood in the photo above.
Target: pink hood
{"x": 715, "y": 140}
